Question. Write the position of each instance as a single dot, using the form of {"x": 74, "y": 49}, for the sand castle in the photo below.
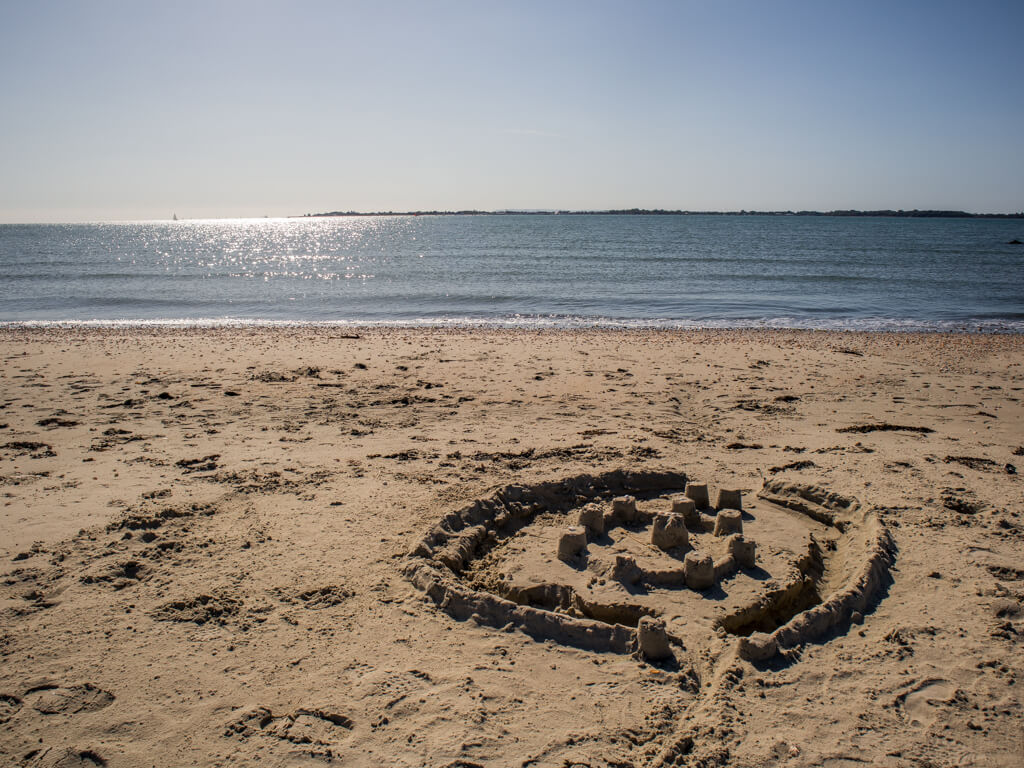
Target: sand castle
{"x": 642, "y": 562}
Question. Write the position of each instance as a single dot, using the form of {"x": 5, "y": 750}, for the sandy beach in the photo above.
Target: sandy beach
{"x": 315, "y": 546}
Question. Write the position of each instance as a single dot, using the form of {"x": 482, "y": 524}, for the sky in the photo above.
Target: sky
{"x": 136, "y": 110}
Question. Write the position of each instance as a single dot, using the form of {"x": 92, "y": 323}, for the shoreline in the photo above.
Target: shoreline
{"x": 931, "y": 345}
{"x": 206, "y": 538}
{"x": 343, "y": 330}
{"x": 1006, "y": 327}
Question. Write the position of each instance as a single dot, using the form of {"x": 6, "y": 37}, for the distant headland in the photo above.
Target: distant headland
{"x": 900, "y": 214}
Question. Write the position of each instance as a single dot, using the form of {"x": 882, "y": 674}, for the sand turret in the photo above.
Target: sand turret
{"x": 624, "y": 510}
{"x": 699, "y": 493}
{"x": 669, "y": 531}
{"x": 728, "y": 521}
{"x": 699, "y": 570}
{"x": 591, "y": 517}
{"x": 687, "y": 508}
{"x": 728, "y": 498}
{"x": 652, "y": 639}
{"x": 572, "y": 542}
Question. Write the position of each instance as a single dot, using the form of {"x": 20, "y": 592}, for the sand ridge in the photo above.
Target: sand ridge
{"x": 205, "y": 537}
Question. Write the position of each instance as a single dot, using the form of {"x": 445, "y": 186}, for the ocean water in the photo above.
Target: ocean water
{"x": 519, "y": 270}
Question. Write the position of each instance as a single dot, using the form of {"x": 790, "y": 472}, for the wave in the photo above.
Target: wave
{"x": 1014, "y": 325}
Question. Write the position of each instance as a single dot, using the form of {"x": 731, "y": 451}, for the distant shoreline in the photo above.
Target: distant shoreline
{"x": 888, "y": 213}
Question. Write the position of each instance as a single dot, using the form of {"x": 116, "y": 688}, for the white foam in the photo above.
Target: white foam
{"x": 560, "y": 322}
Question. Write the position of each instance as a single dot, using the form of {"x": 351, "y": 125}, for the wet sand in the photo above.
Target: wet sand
{"x": 206, "y": 541}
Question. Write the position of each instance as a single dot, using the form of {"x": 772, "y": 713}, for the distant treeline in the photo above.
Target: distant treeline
{"x": 914, "y": 214}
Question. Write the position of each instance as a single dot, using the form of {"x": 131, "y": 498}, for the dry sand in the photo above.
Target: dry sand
{"x": 206, "y": 536}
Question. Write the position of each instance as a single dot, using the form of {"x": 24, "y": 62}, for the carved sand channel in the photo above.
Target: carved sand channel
{"x": 654, "y": 563}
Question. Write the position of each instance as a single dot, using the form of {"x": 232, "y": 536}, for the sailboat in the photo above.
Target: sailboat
{"x": 174, "y": 217}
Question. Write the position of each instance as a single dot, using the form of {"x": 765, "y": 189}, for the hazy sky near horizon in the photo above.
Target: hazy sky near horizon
{"x": 127, "y": 110}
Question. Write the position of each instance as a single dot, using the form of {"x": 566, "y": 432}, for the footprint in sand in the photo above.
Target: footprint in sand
{"x": 51, "y": 699}
{"x": 924, "y": 702}
{"x": 200, "y": 609}
{"x": 318, "y": 598}
{"x": 117, "y": 575}
{"x": 303, "y": 726}
{"x": 9, "y": 706}
{"x": 63, "y": 758}
{"x": 31, "y": 449}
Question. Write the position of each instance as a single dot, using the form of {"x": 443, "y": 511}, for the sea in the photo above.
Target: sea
{"x": 522, "y": 271}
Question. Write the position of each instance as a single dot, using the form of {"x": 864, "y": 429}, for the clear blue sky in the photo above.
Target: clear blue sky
{"x": 113, "y": 110}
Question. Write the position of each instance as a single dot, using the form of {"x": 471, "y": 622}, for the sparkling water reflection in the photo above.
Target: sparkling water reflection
{"x": 635, "y": 271}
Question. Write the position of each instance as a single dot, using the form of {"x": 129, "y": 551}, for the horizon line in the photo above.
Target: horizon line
{"x": 838, "y": 212}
